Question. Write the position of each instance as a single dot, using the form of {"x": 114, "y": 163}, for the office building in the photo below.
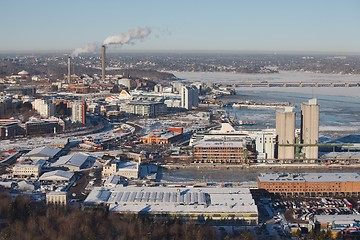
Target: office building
{"x": 285, "y": 132}
{"x": 146, "y": 108}
{"x": 310, "y": 128}
{"x": 311, "y": 184}
{"x": 221, "y": 151}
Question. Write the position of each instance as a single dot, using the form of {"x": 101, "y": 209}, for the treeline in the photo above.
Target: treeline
{"x": 24, "y": 219}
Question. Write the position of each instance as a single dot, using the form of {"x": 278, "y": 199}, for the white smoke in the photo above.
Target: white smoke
{"x": 88, "y": 48}
{"x": 121, "y": 39}
{"x": 129, "y": 37}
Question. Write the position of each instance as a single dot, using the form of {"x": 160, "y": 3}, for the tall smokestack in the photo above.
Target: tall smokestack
{"x": 69, "y": 70}
{"x": 103, "y": 62}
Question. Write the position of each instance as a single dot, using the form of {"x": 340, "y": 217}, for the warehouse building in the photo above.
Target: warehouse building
{"x": 75, "y": 162}
{"x": 191, "y": 203}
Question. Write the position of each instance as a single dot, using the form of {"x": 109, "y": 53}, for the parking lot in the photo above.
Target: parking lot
{"x": 302, "y": 210}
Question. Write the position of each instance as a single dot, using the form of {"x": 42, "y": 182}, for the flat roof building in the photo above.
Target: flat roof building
{"x": 311, "y": 184}
{"x": 221, "y": 151}
{"x": 217, "y": 203}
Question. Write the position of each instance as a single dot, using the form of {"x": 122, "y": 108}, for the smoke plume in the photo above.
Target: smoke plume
{"x": 88, "y": 48}
{"x": 124, "y": 38}
{"x": 129, "y": 37}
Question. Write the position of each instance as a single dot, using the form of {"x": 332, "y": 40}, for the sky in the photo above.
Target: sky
{"x": 186, "y": 25}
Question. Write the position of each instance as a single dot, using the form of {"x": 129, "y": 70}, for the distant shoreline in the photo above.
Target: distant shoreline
{"x": 262, "y": 166}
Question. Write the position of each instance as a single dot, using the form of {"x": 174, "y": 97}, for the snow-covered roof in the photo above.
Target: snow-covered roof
{"x": 76, "y": 159}
{"x": 175, "y": 200}
{"x": 23, "y": 72}
{"x": 43, "y": 152}
{"x": 58, "y": 175}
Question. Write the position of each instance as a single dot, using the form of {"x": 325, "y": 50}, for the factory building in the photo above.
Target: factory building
{"x": 311, "y": 184}
{"x": 310, "y": 128}
{"x": 285, "y": 132}
{"x": 190, "y": 203}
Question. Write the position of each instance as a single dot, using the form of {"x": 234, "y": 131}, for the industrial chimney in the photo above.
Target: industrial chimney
{"x": 103, "y": 63}
{"x": 69, "y": 70}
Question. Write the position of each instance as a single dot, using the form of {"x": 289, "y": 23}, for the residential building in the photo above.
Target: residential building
{"x": 189, "y": 97}
{"x": 78, "y": 112}
{"x": 45, "y": 108}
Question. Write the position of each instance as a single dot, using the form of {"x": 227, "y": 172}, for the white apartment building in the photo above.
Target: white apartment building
{"x": 45, "y": 108}
{"x": 189, "y": 97}
{"x": 78, "y": 112}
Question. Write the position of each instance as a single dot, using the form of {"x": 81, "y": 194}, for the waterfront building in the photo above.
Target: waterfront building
{"x": 78, "y": 112}
{"x": 310, "y": 128}
{"x": 189, "y": 97}
{"x": 219, "y": 204}
{"x": 265, "y": 145}
{"x": 311, "y": 184}
{"x": 285, "y": 132}
{"x": 221, "y": 151}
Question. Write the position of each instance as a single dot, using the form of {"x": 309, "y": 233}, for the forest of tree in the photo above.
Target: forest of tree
{"x": 24, "y": 219}
{"x": 27, "y": 220}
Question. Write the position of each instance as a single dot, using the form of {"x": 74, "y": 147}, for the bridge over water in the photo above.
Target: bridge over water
{"x": 290, "y": 84}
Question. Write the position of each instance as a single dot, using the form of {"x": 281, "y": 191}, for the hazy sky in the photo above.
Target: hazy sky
{"x": 230, "y": 25}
